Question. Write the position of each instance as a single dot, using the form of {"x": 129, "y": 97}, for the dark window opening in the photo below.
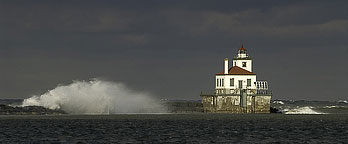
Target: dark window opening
{"x": 232, "y": 82}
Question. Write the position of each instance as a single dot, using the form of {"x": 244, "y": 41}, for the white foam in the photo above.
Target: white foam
{"x": 302, "y": 110}
{"x": 331, "y": 106}
{"x": 96, "y": 97}
{"x": 342, "y": 101}
{"x": 278, "y": 102}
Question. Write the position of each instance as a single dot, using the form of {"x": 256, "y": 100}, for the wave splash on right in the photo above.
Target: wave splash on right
{"x": 302, "y": 110}
{"x": 310, "y": 107}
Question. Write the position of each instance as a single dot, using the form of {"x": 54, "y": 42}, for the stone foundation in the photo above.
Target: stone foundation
{"x": 233, "y": 104}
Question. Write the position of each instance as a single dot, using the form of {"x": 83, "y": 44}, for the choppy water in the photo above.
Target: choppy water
{"x": 311, "y": 107}
{"x": 176, "y": 128}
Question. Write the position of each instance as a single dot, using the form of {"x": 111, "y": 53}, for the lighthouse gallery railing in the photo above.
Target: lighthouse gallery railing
{"x": 259, "y": 92}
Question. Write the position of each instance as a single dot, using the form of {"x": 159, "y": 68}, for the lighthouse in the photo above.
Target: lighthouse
{"x": 237, "y": 89}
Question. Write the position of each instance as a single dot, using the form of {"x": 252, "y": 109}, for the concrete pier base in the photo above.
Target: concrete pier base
{"x": 234, "y": 104}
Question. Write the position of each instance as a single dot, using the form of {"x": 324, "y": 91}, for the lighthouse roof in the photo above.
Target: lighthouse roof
{"x": 237, "y": 71}
{"x": 242, "y": 48}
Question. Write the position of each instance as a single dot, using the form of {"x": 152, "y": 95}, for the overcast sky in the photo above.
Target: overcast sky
{"x": 173, "y": 49}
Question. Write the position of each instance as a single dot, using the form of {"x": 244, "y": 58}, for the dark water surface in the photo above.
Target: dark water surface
{"x": 176, "y": 128}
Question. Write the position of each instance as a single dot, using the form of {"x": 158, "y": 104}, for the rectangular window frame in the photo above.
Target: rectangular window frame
{"x": 231, "y": 82}
{"x": 240, "y": 83}
{"x": 248, "y": 82}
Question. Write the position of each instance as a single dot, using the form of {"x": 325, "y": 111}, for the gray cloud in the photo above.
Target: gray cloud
{"x": 173, "y": 49}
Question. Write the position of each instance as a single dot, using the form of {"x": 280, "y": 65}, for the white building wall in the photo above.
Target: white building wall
{"x": 239, "y": 63}
{"x": 226, "y": 80}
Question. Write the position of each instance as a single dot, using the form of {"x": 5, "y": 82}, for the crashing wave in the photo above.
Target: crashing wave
{"x": 278, "y": 102}
{"x": 302, "y": 110}
{"x": 96, "y": 97}
{"x": 342, "y": 101}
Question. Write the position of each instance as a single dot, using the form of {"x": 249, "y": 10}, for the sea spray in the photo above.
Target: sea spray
{"x": 96, "y": 97}
{"x": 302, "y": 110}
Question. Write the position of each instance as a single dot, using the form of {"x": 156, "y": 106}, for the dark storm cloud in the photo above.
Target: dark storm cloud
{"x": 173, "y": 48}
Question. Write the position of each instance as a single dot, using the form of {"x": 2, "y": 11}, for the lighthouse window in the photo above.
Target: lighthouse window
{"x": 217, "y": 82}
{"x": 244, "y": 64}
{"x": 232, "y": 82}
{"x": 248, "y": 82}
{"x": 222, "y": 82}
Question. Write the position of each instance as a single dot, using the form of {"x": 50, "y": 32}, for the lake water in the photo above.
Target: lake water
{"x": 175, "y": 128}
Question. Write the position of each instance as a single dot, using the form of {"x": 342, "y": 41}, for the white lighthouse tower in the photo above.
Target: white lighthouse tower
{"x": 237, "y": 77}
{"x": 236, "y": 88}
{"x": 243, "y": 60}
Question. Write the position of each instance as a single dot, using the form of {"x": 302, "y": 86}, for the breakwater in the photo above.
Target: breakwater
{"x": 183, "y": 106}
{"x": 28, "y": 110}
